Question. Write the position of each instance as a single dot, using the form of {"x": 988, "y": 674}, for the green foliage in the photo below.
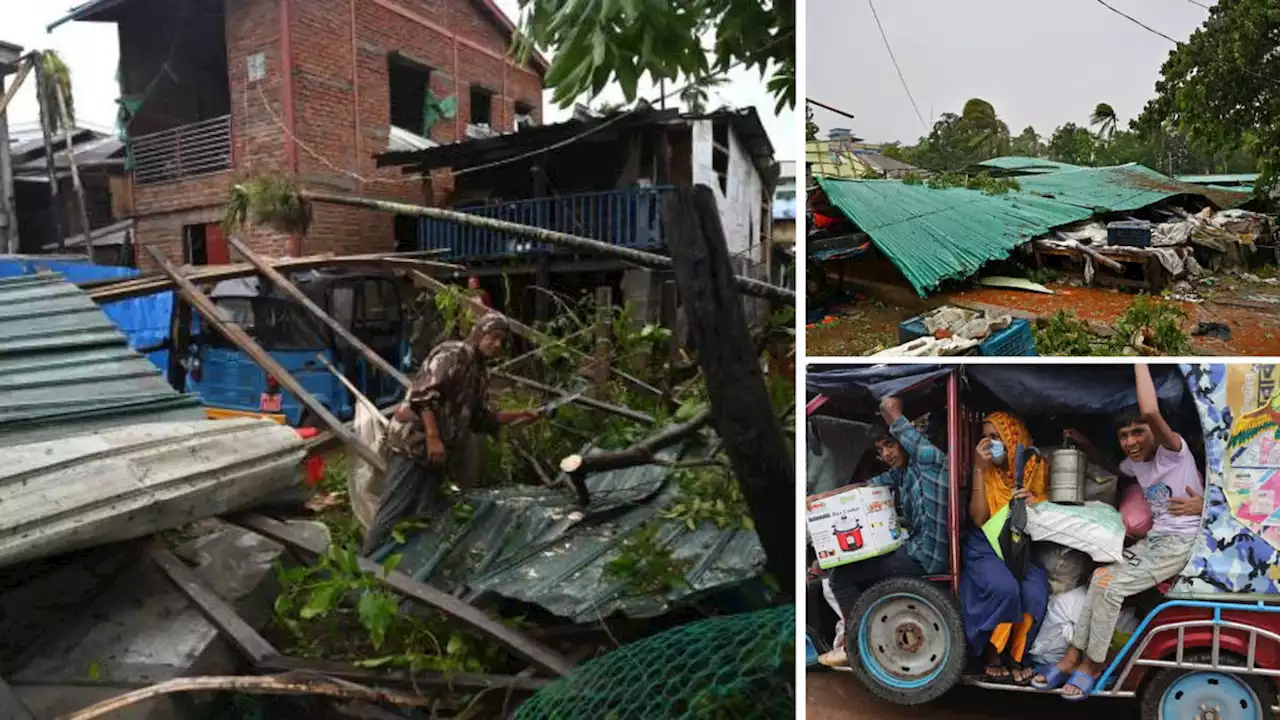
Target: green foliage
{"x": 1073, "y": 144}
{"x": 56, "y": 74}
{"x": 336, "y": 611}
{"x": 270, "y": 201}
{"x": 708, "y": 494}
{"x": 451, "y": 308}
{"x": 1219, "y": 87}
{"x": 1028, "y": 143}
{"x": 595, "y": 43}
{"x": 982, "y": 181}
{"x": 695, "y": 94}
{"x": 1066, "y": 335}
{"x": 1104, "y": 116}
{"x": 1163, "y": 319}
{"x": 645, "y": 566}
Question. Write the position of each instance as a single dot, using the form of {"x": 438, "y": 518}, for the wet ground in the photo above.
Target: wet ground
{"x": 1250, "y": 310}
{"x": 839, "y": 696}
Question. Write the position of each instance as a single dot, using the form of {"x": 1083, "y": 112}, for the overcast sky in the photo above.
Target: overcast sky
{"x": 90, "y": 49}
{"x": 1039, "y": 62}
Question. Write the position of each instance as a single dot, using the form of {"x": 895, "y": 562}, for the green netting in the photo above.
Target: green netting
{"x": 739, "y": 667}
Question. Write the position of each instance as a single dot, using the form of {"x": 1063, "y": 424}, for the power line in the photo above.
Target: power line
{"x": 895, "y": 66}
{"x": 1136, "y": 21}
{"x": 1197, "y": 4}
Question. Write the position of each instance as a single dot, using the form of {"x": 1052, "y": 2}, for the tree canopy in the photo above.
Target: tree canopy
{"x": 596, "y": 42}
{"x": 1221, "y": 88}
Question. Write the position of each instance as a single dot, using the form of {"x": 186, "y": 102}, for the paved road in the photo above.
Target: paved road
{"x": 839, "y": 696}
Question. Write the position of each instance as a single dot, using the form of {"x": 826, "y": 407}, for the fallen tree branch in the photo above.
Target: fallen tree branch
{"x": 253, "y": 684}
{"x": 642, "y": 453}
{"x": 583, "y": 401}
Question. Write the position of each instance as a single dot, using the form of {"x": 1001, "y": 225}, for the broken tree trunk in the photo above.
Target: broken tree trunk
{"x": 750, "y": 286}
{"x": 67, "y": 132}
{"x": 642, "y": 453}
{"x": 521, "y": 645}
{"x": 238, "y": 337}
{"x": 753, "y": 437}
{"x": 281, "y": 282}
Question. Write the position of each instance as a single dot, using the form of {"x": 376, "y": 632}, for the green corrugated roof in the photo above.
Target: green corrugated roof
{"x": 532, "y": 544}
{"x": 1219, "y": 179}
{"x": 1027, "y": 164}
{"x": 66, "y": 369}
{"x": 1121, "y": 188}
{"x": 935, "y": 235}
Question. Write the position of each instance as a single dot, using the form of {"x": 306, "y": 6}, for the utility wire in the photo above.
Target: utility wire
{"x": 884, "y": 37}
{"x": 1197, "y": 4}
{"x": 1136, "y": 21}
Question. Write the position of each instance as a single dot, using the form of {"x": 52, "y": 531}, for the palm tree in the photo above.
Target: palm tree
{"x": 989, "y": 134}
{"x": 694, "y": 95}
{"x": 56, "y": 76}
{"x": 1104, "y": 116}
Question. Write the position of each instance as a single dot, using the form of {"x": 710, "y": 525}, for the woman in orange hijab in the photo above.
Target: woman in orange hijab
{"x": 1002, "y": 613}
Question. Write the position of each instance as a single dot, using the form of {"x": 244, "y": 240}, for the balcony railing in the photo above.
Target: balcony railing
{"x": 628, "y": 218}
{"x": 186, "y": 151}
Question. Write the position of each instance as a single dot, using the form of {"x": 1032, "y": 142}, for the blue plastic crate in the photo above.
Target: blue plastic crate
{"x": 1129, "y": 233}
{"x": 810, "y": 652}
{"x": 1017, "y": 340}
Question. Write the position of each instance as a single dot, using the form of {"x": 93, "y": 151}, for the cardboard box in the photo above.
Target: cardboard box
{"x": 854, "y": 525}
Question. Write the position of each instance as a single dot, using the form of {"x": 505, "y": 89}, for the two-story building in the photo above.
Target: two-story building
{"x": 212, "y": 91}
{"x": 604, "y": 178}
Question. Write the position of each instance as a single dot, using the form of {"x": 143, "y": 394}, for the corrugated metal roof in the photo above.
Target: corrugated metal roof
{"x": 1027, "y": 164}
{"x": 532, "y": 544}
{"x": 1119, "y": 188}
{"x": 935, "y": 235}
{"x": 66, "y": 369}
{"x": 832, "y": 160}
{"x": 1219, "y": 179}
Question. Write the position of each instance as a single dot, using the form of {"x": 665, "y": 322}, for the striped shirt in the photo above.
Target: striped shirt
{"x": 922, "y": 497}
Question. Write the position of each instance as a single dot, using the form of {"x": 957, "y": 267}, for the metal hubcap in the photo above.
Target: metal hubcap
{"x": 906, "y": 637}
{"x": 1210, "y": 696}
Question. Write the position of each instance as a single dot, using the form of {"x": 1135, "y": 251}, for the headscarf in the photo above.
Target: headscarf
{"x": 999, "y": 481}
{"x": 491, "y": 322}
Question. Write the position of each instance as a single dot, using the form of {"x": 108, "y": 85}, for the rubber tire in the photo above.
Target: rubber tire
{"x": 953, "y": 624}
{"x": 1154, "y": 689}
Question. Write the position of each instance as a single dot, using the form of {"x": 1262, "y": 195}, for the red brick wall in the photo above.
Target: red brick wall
{"x": 342, "y": 110}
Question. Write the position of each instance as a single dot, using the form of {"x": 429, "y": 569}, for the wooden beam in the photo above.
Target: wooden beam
{"x": 351, "y": 388}
{"x": 12, "y": 92}
{"x": 729, "y": 358}
{"x": 748, "y": 285}
{"x": 288, "y": 288}
{"x": 539, "y": 655}
{"x": 137, "y": 287}
{"x": 423, "y": 678}
{"x": 238, "y": 337}
{"x": 217, "y": 611}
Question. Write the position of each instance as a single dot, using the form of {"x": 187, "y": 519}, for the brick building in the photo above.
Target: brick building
{"x": 208, "y": 101}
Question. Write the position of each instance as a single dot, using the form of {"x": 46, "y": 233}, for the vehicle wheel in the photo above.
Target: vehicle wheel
{"x": 1176, "y": 694}
{"x": 905, "y": 639}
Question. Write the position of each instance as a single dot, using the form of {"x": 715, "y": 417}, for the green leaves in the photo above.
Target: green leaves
{"x": 376, "y": 611}
{"x": 320, "y": 602}
{"x": 596, "y": 42}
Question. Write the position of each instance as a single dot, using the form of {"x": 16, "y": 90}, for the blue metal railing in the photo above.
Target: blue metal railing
{"x": 629, "y": 218}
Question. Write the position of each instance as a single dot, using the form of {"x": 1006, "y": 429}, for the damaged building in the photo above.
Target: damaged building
{"x": 206, "y": 102}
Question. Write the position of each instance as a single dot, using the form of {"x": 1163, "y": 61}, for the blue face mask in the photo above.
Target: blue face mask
{"x": 997, "y": 451}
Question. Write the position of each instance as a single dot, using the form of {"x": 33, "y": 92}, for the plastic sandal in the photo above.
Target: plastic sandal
{"x": 1084, "y": 683}
{"x": 1054, "y": 678}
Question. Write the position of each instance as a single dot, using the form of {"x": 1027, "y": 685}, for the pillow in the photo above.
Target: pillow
{"x": 1135, "y": 511}
{"x": 1095, "y": 529}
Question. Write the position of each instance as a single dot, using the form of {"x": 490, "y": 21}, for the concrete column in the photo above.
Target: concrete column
{"x": 642, "y": 290}
{"x": 9, "y": 57}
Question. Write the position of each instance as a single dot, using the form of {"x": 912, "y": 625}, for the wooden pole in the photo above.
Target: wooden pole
{"x": 46, "y": 130}
{"x": 68, "y": 132}
{"x": 238, "y": 337}
{"x": 539, "y": 655}
{"x": 281, "y": 282}
{"x": 604, "y": 332}
{"x": 730, "y": 361}
{"x": 24, "y": 69}
{"x": 351, "y": 388}
{"x": 748, "y": 285}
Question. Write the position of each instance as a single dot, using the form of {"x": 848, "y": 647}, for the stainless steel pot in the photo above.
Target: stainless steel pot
{"x": 1067, "y": 469}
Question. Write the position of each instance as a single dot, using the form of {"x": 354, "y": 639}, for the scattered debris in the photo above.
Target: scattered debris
{"x": 1012, "y": 283}
{"x": 1217, "y": 330}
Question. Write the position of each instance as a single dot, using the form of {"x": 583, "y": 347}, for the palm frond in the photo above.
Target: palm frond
{"x": 269, "y": 201}
{"x": 56, "y": 74}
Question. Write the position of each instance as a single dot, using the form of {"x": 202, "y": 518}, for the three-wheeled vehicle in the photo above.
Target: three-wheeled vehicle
{"x": 373, "y": 306}
{"x": 1207, "y": 644}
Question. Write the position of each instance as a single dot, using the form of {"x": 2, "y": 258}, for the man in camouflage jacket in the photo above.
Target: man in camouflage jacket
{"x": 448, "y": 399}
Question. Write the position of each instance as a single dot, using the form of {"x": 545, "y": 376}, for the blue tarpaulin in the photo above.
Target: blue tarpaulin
{"x": 143, "y": 320}
{"x": 875, "y": 381}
